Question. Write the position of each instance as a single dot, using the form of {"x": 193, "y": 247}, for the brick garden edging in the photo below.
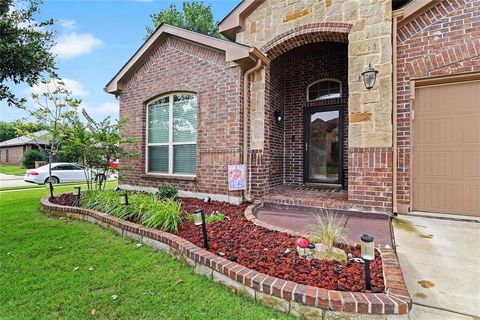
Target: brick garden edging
{"x": 287, "y": 296}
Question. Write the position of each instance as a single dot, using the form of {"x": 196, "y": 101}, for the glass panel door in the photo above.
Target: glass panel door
{"x": 323, "y": 146}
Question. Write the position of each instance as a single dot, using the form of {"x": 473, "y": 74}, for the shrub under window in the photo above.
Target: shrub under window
{"x": 172, "y": 135}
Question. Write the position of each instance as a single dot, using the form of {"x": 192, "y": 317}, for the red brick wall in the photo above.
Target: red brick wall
{"x": 370, "y": 178}
{"x": 444, "y": 40}
{"x": 290, "y": 74}
{"x": 14, "y": 154}
{"x": 177, "y": 65}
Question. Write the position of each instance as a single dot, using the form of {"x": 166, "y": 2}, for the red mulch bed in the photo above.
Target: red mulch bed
{"x": 239, "y": 240}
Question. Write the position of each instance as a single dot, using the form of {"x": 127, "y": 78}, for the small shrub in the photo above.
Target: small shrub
{"x": 167, "y": 217}
{"x": 167, "y": 191}
{"x": 328, "y": 230}
{"x": 30, "y": 156}
{"x": 208, "y": 219}
{"x": 148, "y": 209}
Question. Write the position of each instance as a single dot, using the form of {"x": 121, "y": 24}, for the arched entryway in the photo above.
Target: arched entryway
{"x": 307, "y": 83}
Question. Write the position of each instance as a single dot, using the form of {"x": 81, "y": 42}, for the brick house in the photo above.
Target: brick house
{"x": 284, "y": 95}
{"x": 11, "y": 151}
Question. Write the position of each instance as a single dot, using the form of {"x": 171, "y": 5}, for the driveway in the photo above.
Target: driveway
{"x": 440, "y": 260}
{"x": 12, "y": 181}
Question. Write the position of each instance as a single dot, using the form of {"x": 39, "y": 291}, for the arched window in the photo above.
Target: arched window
{"x": 324, "y": 89}
{"x": 172, "y": 134}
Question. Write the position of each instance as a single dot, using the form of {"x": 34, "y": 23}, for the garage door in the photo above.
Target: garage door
{"x": 446, "y": 149}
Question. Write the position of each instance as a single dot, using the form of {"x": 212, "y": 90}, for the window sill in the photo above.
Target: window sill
{"x": 168, "y": 176}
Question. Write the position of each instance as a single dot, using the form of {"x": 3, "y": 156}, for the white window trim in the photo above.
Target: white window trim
{"x": 322, "y": 80}
{"x": 170, "y": 142}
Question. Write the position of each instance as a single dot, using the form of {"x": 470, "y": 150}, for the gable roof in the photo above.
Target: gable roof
{"x": 38, "y": 137}
{"x": 235, "y": 52}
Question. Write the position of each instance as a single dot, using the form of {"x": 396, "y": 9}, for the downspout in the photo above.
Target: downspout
{"x": 246, "y": 96}
{"x": 394, "y": 117}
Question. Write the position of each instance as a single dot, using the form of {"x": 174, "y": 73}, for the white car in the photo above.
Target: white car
{"x": 61, "y": 172}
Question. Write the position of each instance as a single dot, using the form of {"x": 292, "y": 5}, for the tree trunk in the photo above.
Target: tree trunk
{"x": 50, "y": 173}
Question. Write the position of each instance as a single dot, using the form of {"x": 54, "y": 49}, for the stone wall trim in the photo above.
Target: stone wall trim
{"x": 260, "y": 286}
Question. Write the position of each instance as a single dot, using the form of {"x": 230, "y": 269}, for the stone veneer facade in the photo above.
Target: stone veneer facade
{"x": 277, "y": 27}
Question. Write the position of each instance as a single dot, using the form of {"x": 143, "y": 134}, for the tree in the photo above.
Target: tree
{"x": 25, "y": 44}
{"x": 95, "y": 144}
{"x": 55, "y": 109}
{"x": 196, "y": 16}
{"x": 10, "y": 130}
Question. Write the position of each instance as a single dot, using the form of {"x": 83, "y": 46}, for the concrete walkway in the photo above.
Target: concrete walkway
{"x": 440, "y": 260}
{"x": 301, "y": 220}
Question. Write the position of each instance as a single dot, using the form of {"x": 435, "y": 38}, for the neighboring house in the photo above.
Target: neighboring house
{"x": 284, "y": 95}
{"x": 11, "y": 151}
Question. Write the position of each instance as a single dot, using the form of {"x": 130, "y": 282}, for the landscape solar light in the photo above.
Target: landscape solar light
{"x": 368, "y": 254}
{"x": 124, "y": 199}
{"x": 207, "y": 199}
{"x": 77, "y": 192}
{"x": 200, "y": 220}
{"x": 369, "y": 76}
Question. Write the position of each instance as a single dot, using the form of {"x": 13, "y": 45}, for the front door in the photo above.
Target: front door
{"x": 323, "y": 145}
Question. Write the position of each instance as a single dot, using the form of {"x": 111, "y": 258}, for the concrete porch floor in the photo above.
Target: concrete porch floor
{"x": 300, "y": 220}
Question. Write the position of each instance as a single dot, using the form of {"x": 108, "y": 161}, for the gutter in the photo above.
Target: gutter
{"x": 394, "y": 113}
{"x": 246, "y": 96}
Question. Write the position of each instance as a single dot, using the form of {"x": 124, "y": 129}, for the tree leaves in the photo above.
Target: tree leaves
{"x": 24, "y": 47}
{"x": 195, "y": 16}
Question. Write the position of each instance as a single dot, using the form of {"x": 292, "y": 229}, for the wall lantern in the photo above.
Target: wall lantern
{"x": 369, "y": 76}
{"x": 200, "y": 221}
{"x": 368, "y": 254}
{"x": 278, "y": 116}
{"x": 124, "y": 199}
{"x": 77, "y": 192}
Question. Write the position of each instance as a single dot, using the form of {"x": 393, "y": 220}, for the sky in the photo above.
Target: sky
{"x": 95, "y": 38}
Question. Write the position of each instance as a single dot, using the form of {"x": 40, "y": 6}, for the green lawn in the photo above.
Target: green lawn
{"x": 64, "y": 269}
{"x": 12, "y": 170}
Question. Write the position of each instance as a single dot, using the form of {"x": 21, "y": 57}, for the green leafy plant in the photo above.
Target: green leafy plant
{"x": 151, "y": 212}
{"x": 167, "y": 191}
{"x": 209, "y": 218}
{"x": 30, "y": 156}
{"x": 328, "y": 230}
{"x": 167, "y": 217}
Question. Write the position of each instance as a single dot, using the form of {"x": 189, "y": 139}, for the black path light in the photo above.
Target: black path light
{"x": 200, "y": 221}
{"x": 124, "y": 199}
{"x": 369, "y": 76}
{"x": 368, "y": 254}
{"x": 77, "y": 192}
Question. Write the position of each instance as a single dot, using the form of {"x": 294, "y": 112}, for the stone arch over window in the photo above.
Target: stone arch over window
{"x": 310, "y": 33}
{"x": 324, "y": 89}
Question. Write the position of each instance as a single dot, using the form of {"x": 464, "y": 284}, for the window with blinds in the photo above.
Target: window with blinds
{"x": 172, "y": 135}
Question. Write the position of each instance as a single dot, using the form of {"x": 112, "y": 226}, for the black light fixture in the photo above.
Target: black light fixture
{"x": 369, "y": 76}
{"x": 368, "y": 254}
{"x": 200, "y": 221}
{"x": 207, "y": 199}
{"x": 77, "y": 192}
{"x": 124, "y": 199}
{"x": 278, "y": 116}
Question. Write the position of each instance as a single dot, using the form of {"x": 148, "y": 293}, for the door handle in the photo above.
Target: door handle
{"x": 306, "y": 146}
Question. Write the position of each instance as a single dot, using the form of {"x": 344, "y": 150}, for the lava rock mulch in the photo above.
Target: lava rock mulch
{"x": 272, "y": 252}
{"x": 267, "y": 251}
